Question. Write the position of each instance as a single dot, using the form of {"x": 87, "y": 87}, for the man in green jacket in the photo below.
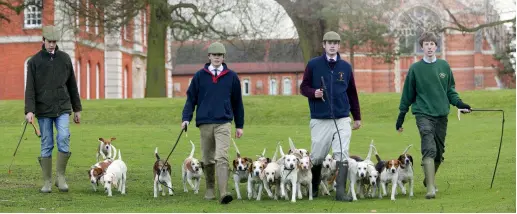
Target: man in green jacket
{"x": 430, "y": 89}
{"x": 50, "y": 95}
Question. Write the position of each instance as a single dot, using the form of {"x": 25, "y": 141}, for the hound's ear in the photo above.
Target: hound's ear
{"x": 401, "y": 158}
{"x": 113, "y": 138}
{"x": 202, "y": 164}
{"x": 101, "y": 139}
{"x": 250, "y": 169}
{"x": 248, "y": 159}
{"x": 234, "y": 163}
{"x": 268, "y": 160}
{"x": 411, "y": 158}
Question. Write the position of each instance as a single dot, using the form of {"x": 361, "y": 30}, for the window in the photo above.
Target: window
{"x": 88, "y": 88}
{"x": 32, "y": 14}
{"x": 412, "y": 24}
{"x": 78, "y": 76}
{"x": 125, "y": 84}
{"x": 97, "y": 84}
{"x": 125, "y": 32}
{"x": 287, "y": 86}
{"x": 96, "y": 23}
{"x": 272, "y": 87}
{"x": 87, "y": 5}
{"x": 169, "y": 84}
{"x": 25, "y": 70}
{"x": 137, "y": 28}
{"x": 145, "y": 27}
{"x": 246, "y": 87}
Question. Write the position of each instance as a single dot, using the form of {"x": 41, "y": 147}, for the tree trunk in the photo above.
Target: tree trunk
{"x": 156, "y": 75}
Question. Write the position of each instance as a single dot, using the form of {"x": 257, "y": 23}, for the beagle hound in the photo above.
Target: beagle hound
{"x": 390, "y": 174}
{"x": 305, "y": 176}
{"x": 191, "y": 170}
{"x": 162, "y": 175}
{"x": 241, "y": 170}
{"x": 406, "y": 173}
{"x": 328, "y": 171}
{"x": 289, "y": 174}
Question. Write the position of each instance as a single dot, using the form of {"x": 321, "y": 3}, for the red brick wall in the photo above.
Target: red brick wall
{"x": 16, "y": 25}
{"x": 94, "y": 57}
{"x": 12, "y": 68}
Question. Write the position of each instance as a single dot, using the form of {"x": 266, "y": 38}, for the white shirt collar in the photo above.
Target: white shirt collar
{"x": 211, "y": 68}
{"x": 328, "y": 58}
{"x": 433, "y": 60}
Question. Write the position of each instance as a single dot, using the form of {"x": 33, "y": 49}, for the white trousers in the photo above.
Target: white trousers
{"x": 324, "y": 136}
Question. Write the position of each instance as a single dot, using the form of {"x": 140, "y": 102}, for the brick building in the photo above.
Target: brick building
{"x": 113, "y": 65}
{"x": 107, "y": 65}
{"x": 275, "y": 67}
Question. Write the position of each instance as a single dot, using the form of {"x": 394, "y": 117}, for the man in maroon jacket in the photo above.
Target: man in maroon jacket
{"x": 339, "y": 99}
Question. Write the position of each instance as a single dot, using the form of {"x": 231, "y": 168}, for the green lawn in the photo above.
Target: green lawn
{"x": 141, "y": 125}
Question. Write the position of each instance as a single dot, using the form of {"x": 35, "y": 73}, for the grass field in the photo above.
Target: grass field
{"x": 141, "y": 125}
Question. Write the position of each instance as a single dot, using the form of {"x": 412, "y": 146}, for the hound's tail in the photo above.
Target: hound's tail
{"x": 370, "y": 151}
{"x": 407, "y": 148}
{"x": 291, "y": 145}
{"x": 156, "y": 153}
{"x": 276, "y": 152}
{"x": 119, "y": 155}
{"x": 236, "y": 149}
{"x": 264, "y": 152}
{"x": 193, "y": 149}
{"x": 376, "y": 154}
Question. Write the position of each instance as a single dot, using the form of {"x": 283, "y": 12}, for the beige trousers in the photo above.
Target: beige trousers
{"x": 215, "y": 142}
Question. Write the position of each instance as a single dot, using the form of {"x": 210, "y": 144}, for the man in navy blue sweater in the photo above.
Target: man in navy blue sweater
{"x": 216, "y": 91}
{"x": 340, "y": 99}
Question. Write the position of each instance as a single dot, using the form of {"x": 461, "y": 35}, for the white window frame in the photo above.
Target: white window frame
{"x": 137, "y": 23}
{"x": 34, "y": 11}
{"x": 144, "y": 24}
{"x": 244, "y": 83}
{"x": 25, "y": 70}
{"x": 125, "y": 95}
{"x": 78, "y": 76}
{"x": 287, "y": 87}
{"x": 87, "y": 8}
{"x": 97, "y": 81}
{"x": 88, "y": 88}
{"x": 273, "y": 87}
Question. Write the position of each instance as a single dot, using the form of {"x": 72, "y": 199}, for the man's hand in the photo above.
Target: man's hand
{"x": 238, "y": 133}
{"x": 29, "y": 117}
{"x": 462, "y": 105}
{"x": 184, "y": 124}
{"x": 400, "y": 121}
{"x": 318, "y": 93}
{"x": 357, "y": 125}
{"x": 77, "y": 117}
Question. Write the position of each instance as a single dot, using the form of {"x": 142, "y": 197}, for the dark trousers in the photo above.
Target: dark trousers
{"x": 432, "y": 135}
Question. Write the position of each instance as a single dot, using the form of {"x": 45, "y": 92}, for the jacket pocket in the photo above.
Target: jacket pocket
{"x": 228, "y": 111}
{"x": 44, "y": 103}
{"x": 64, "y": 99}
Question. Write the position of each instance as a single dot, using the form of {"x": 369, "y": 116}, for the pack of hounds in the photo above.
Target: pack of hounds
{"x": 288, "y": 176}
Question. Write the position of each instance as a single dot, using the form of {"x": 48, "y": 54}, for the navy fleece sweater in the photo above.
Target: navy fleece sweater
{"x": 341, "y": 95}
{"x": 218, "y": 99}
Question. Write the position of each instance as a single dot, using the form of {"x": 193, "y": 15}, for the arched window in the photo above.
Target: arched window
{"x": 246, "y": 87}
{"x": 78, "y": 76}
{"x": 412, "y": 23}
{"x": 25, "y": 70}
{"x": 272, "y": 86}
{"x": 88, "y": 88}
{"x": 125, "y": 83}
{"x": 287, "y": 86}
{"x": 97, "y": 83}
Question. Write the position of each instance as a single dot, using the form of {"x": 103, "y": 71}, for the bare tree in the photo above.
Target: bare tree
{"x": 17, "y": 6}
